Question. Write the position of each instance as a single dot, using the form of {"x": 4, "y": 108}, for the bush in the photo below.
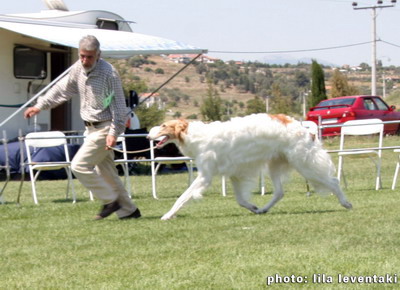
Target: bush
{"x": 177, "y": 115}
{"x": 192, "y": 117}
{"x": 149, "y": 117}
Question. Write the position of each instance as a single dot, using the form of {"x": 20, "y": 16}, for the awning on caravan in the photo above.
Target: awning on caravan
{"x": 118, "y": 44}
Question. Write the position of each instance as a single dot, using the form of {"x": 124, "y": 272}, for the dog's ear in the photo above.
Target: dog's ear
{"x": 181, "y": 129}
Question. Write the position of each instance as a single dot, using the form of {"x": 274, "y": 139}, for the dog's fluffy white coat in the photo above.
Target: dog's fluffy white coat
{"x": 241, "y": 147}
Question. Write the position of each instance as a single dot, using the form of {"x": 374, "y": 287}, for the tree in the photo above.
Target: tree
{"x": 280, "y": 104}
{"x": 318, "y": 91}
{"x": 201, "y": 68}
{"x": 139, "y": 86}
{"x": 254, "y": 106}
{"x": 340, "y": 86}
{"x": 364, "y": 66}
{"x": 301, "y": 79}
{"x": 211, "y": 109}
{"x": 177, "y": 115}
{"x": 149, "y": 117}
{"x": 138, "y": 61}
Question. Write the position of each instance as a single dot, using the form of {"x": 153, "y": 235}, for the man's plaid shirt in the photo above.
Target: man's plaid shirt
{"x": 92, "y": 88}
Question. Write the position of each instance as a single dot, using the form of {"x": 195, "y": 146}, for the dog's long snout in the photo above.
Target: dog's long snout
{"x": 153, "y": 134}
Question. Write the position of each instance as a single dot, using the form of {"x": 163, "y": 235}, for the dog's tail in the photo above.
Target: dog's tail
{"x": 313, "y": 163}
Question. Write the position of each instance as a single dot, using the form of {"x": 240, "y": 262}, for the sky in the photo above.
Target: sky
{"x": 330, "y": 31}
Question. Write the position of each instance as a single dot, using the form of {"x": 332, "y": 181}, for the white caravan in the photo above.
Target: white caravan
{"x": 36, "y": 49}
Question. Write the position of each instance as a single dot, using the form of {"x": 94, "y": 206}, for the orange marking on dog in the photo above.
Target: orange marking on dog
{"x": 281, "y": 118}
{"x": 181, "y": 128}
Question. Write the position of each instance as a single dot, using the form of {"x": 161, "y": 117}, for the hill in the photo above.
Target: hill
{"x": 184, "y": 93}
{"x": 237, "y": 83}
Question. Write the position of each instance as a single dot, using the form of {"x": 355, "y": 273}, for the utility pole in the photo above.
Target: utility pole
{"x": 373, "y": 58}
{"x": 267, "y": 104}
{"x": 304, "y": 105}
{"x": 383, "y": 86}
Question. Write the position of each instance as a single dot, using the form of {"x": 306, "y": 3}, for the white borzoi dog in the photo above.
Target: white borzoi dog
{"x": 241, "y": 147}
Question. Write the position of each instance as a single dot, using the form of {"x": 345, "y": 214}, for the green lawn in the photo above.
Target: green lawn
{"x": 213, "y": 244}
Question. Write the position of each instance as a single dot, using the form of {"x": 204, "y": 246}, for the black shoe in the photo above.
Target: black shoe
{"x": 135, "y": 215}
{"x": 107, "y": 210}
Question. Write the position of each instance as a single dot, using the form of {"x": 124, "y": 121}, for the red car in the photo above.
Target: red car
{"x": 342, "y": 109}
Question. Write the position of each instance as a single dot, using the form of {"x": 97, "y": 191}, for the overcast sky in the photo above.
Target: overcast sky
{"x": 297, "y": 29}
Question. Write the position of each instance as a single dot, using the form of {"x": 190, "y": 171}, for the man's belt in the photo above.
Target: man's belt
{"x": 93, "y": 124}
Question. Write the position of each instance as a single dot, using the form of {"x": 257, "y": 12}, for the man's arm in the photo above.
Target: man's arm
{"x": 58, "y": 94}
{"x": 117, "y": 107}
{"x": 111, "y": 141}
{"x": 30, "y": 112}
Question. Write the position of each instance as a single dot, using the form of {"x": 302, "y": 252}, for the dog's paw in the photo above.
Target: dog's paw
{"x": 252, "y": 208}
{"x": 347, "y": 205}
{"x": 260, "y": 211}
{"x": 167, "y": 217}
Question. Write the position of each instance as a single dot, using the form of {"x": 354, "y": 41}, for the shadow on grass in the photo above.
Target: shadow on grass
{"x": 308, "y": 212}
{"x": 117, "y": 220}
{"x": 246, "y": 213}
{"x": 70, "y": 200}
{"x": 5, "y": 203}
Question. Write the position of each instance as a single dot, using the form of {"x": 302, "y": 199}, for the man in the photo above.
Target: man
{"x": 103, "y": 110}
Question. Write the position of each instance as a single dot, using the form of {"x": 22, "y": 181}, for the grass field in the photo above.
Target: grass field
{"x": 303, "y": 242}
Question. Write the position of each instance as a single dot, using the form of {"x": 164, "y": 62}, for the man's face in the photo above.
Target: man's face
{"x": 88, "y": 58}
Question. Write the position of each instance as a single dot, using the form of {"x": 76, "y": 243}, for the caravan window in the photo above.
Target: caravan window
{"x": 108, "y": 24}
{"x": 29, "y": 63}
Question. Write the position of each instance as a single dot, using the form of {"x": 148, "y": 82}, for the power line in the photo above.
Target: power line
{"x": 304, "y": 50}
{"x": 292, "y": 51}
{"x": 392, "y": 44}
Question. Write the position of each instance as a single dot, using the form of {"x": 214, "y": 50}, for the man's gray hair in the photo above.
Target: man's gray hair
{"x": 89, "y": 42}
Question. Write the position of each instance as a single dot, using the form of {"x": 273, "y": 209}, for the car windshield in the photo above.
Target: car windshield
{"x": 335, "y": 102}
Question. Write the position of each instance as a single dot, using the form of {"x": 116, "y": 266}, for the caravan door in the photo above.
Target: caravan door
{"x": 60, "y": 117}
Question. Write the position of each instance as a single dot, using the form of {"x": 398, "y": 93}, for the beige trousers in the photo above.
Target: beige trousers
{"x": 94, "y": 166}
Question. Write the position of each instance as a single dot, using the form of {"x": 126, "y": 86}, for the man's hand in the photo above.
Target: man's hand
{"x": 111, "y": 141}
{"x": 30, "y": 112}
